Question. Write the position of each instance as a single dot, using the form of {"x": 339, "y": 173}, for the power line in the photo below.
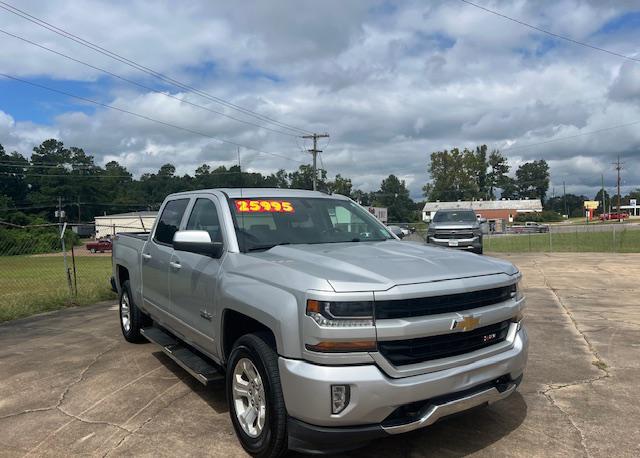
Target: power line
{"x": 555, "y": 35}
{"x": 531, "y": 145}
{"x": 40, "y": 22}
{"x": 138, "y": 115}
{"x": 135, "y": 83}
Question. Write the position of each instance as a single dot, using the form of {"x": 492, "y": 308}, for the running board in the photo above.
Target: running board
{"x": 200, "y": 368}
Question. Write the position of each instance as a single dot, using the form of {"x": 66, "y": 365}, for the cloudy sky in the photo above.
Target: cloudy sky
{"x": 390, "y": 81}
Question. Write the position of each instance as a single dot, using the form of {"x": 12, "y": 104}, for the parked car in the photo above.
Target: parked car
{"x": 529, "y": 227}
{"x": 328, "y": 331}
{"x": 456, "y": 228}
{"x": 101, "y": 246}
{"x": 397, "y": 231}
{"x": 613, "y": 216}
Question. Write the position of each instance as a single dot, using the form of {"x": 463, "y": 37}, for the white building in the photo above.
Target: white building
{"x": 124, "y": 222}
{"x": 633, "y": 209}
{"x": 379, "y": 212}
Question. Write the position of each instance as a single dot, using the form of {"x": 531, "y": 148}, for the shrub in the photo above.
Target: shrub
{"x": 546, "y": 216}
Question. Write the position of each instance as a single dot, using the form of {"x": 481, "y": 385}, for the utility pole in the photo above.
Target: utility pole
{"x": 60, "y": 212}
{"x": 618, "y": 165}
{"x": 314, "y": 152}
{"x": 602, "y": 191}
{"x": 79, "y": 209}
{"x": 564, "y": 197}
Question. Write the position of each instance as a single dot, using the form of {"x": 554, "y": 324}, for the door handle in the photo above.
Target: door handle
{"x": 146, "y": 256}
{"x": 175, "y": 265}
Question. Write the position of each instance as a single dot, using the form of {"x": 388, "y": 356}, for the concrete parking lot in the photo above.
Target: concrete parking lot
{"x": 70, "y": 385}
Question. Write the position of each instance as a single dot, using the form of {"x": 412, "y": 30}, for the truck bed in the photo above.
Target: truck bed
{"x": 138, "y": 235}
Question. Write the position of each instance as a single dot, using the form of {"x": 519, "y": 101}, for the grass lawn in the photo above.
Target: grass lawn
{"x": 35, "y": 284}
{"x": 625, "y": 242}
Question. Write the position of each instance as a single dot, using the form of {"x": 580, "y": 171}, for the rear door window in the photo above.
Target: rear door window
{"x": 169, "y": 222}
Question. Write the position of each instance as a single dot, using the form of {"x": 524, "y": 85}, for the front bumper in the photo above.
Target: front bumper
{"x": 376, "y": 398}
{"x": 307, "y": 438}
{"x": 464, "y": 244}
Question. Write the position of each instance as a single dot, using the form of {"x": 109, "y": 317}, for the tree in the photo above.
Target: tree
{"x": 394, "y": 195}
{"x": 340, "y": 186}
{"x": 303, "y": 178}
{"x": 509, "y": 188}
{"x": 458, "y": 175}
{"x": 533, "y": 180}
{"x": 12, "y": 179}
{"x": 497, "y": 177}
{"x": 363, "y": 198}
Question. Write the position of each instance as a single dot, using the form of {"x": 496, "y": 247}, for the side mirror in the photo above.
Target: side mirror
{"x": 197, "y": 242}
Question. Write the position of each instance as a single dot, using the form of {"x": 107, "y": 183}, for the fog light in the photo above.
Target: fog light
{"x": 340, "y": 395}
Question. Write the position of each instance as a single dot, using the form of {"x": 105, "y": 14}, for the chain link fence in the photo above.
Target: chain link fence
{"x": 40, "y": 270}
{"x": 595, "y": 238}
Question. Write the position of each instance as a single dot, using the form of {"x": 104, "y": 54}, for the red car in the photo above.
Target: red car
{"x": 99, "y": 245}
{"x": 613, "y": 216}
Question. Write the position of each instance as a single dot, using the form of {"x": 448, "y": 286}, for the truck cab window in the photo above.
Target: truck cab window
{"x": 169, "y": 222}
{"x": 204, "y": 217}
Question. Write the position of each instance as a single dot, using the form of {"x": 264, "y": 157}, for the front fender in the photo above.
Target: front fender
{"x": 270, "y": 305}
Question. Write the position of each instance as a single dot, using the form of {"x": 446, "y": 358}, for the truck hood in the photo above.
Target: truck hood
{"x": 378, "y": 266}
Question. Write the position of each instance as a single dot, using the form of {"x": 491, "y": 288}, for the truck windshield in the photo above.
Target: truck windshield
{"x": 463, "y": 216}
{"x": 262, "y": 224}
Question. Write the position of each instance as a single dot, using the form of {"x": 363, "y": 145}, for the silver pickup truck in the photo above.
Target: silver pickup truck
{"x": 328, "y": 331}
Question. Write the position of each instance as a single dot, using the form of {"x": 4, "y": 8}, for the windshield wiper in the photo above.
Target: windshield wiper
{"x": 267, "y": 247}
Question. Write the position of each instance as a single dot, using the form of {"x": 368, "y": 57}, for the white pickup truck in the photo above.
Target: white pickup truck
{"x": 328, "y": 330}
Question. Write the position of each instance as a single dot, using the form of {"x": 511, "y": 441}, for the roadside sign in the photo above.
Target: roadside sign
{"x": 591, "y": 204}
{"x": 633, "y": 202}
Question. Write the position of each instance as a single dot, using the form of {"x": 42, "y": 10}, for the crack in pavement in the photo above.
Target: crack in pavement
{"x": 599, "y": 363}
{"x": 64, "y": 393}
{"x": 147, "y": 421}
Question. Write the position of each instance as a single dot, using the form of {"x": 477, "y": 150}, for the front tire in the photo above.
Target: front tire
{"x": 256, "y": 403}
{"x": 131, "y": 317}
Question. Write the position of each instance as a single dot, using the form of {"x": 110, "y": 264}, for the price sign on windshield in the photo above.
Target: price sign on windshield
{"x": 264, "y": 206}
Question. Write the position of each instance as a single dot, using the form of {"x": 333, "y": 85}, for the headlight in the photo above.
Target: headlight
{"x": 341, "y": 313}
{"x": 516, "y": 291}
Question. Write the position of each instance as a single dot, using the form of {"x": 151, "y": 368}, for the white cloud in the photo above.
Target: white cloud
{"x": 391, "y": 82}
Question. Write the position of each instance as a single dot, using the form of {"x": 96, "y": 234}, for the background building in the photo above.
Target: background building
{"x": 124, "y": 222}
{"x": 380, "y": 213}
{"x": 495, "y": 211}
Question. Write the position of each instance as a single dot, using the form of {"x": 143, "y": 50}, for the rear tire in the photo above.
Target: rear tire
{"x": 478, "y": 250}
{"x": 132, "y": 319}
{"x": 264, "y": 436}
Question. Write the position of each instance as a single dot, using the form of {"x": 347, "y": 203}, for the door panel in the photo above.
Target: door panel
{"x": 155, "y": 275}
{"x": 157, "y": 253}
{"x": 193, "y": 278}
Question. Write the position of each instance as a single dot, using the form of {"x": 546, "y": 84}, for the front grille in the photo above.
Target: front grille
{"x": 453, "y": 235}
{"x": 405, "y": 308}
{"x": 412, "y": 351}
